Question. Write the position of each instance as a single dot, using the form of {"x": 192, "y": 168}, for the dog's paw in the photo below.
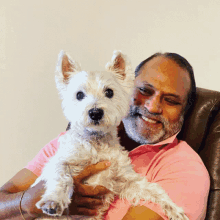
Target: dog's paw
{"x": 52, "y": 208}
{"x": 181, "y": 216}
{"x": 176, "y": 213}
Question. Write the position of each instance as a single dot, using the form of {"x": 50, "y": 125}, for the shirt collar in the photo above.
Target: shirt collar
{"x": 167, "y": 141}
{"x": 156, "y": 146}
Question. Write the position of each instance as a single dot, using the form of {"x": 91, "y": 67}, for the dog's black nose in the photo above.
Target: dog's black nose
{"x": 96, "y": 114}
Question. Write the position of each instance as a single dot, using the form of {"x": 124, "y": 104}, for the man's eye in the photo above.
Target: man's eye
{"x": 145, "y": 91}
{"x": 172, "y": 102}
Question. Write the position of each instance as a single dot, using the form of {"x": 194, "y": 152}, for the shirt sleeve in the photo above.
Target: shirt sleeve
{"x": 37, "y": 164}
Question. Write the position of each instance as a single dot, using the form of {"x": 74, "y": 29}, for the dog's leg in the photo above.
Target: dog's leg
{"x": 59, "y": 188}
{"x": 138, "y": 188}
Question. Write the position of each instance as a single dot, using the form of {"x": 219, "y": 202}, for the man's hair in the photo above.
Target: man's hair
{"x": 184, "y": 64}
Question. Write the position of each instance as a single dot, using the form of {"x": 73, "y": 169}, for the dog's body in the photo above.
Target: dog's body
{"x": 95, "y": 103}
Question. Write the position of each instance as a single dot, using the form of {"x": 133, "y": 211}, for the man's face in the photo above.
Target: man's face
{"x": 158, "y": 102}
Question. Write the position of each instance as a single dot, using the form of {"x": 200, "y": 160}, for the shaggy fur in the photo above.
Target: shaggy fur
{"x": 90, "y": 140}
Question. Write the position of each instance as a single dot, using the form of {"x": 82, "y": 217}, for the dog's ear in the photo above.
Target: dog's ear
{"x": 121, "y": 67}
{"x": 118, "y": 64}
{"x": 66, "y": 67}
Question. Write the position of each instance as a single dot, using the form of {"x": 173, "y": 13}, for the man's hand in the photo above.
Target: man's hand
{"x": 86, "y": 199}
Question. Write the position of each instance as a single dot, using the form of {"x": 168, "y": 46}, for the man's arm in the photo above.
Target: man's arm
{"x": 85, "y": 200}
{"x": 141, "y": 213}
{"x": 11, "y": 192}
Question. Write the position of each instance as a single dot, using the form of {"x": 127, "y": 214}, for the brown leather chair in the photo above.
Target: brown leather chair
{"x": 201, "y": 130}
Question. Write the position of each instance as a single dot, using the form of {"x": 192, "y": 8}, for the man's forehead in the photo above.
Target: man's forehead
{"x": 165, "y": 74}
{"x": 163, "y": 64}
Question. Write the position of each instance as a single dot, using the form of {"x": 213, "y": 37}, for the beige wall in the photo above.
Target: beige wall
{"x": 33, "y": 32}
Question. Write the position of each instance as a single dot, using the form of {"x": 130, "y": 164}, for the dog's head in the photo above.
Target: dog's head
{"x": 95, "y": 101}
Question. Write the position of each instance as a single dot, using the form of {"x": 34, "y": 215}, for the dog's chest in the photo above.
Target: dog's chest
{"x": 87, "y": 153}
{"x": 104, "y": 177}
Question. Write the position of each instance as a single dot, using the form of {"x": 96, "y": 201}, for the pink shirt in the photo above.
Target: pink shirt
{"x": 177, "y": 168}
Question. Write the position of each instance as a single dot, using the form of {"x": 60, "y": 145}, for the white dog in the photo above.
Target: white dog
{"x": 95, "y": 103}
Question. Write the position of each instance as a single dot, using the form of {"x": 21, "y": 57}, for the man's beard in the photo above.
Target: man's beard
{"x": 168, "y": 129}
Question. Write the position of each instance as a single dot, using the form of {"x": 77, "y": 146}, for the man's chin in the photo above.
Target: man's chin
{"x": 144, "y": 131}
{"x": 151, "y": 138}
{"x": 135, "y": 132}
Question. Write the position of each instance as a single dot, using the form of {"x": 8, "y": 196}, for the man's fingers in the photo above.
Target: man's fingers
{"x": 86, "y": 190}
{"x": 91, "y": 170}
{"x": 100, "y": 190}
{"x": 86, "y": 211}
{"x": 88, "y": 202}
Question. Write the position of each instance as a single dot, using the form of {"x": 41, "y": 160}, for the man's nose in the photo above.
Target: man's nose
{"x": 153, "y": 105}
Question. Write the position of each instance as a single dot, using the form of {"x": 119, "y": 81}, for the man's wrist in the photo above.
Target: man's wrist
{"x": 24, "y": 210}
{"x": 28, "y": 216}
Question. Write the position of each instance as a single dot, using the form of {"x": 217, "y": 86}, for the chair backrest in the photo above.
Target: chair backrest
{"x": 201, "y": 130}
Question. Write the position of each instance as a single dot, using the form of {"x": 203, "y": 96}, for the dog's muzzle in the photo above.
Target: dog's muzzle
{"x": 96, "y": 114}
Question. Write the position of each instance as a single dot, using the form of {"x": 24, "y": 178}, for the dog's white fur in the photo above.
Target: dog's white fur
{"x": 88, "y": 142}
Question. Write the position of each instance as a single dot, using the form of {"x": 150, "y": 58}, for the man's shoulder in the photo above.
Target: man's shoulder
{"x": 182, "y": 156}
{"x": 181, "y": 149}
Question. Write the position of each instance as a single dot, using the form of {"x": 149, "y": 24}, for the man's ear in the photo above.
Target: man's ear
{"x": 118, "y": 64}
{"x": 66, "y": 67}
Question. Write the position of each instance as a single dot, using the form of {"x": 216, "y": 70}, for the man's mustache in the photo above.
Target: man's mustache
{"x": 136, "y": 111}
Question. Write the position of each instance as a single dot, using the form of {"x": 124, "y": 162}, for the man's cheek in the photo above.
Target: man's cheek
{"x": 136, "y": 99}
{"x": 173, "y": 114}
{"x": 174, "y": 119}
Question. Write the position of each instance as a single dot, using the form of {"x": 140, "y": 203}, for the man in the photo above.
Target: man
{"x": 164, "y": 91}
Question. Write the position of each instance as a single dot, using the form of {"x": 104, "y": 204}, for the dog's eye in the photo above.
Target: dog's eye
{"x": 80, "y": 95}
{"x": 109, "y": 93}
